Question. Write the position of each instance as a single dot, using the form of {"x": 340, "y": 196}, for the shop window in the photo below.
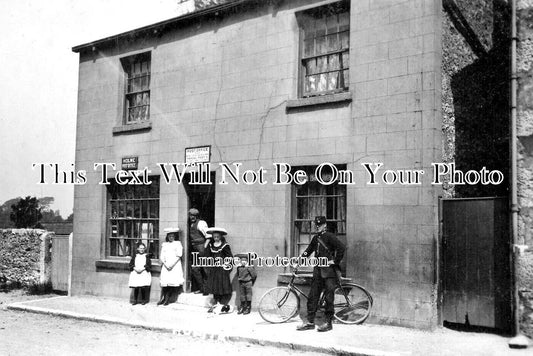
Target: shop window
{"x": 325, "y": 49}
{"x": 137, "y": 88}
{"x": 316, "y": 199}
{"x": 133, "y": 218}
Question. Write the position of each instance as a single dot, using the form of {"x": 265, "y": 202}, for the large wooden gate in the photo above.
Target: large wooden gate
{"x": 476, "y": 279}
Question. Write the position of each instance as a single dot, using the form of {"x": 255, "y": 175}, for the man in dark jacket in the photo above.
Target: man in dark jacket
{"x": 198, "y": 240}
{"x": 323, "y": 244}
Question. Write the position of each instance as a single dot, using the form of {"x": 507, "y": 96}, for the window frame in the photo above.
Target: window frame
{"x": 113, "y": 219}
{"x": 127, "y": 64}
{"x": 302, "y": 59}
{"x": 296, "y": 242}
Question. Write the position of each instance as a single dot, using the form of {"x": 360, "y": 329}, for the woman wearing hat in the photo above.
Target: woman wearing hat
{"x": 218, "y": 281}
{"x": 171, "y": 271}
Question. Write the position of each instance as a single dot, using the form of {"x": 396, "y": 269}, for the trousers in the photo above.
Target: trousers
{"x": 198, "y": 274}
{"x": 317, "y": 285}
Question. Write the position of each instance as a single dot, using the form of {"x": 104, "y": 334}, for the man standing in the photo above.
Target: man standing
{"x": 197, "y": 241}
{"x": 323, "y": 244}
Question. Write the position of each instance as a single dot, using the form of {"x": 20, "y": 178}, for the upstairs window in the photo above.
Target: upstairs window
{"x": 325, "y": 49}
{"x": 137, "y": 88}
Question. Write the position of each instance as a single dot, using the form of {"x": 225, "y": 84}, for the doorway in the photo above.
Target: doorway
{"x": 201, "y": 197}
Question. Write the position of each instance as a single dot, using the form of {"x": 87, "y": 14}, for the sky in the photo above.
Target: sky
{"x": 39, "y": 82}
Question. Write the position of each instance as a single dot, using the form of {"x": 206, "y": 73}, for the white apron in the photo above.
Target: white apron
{"x": 143, "y": 279}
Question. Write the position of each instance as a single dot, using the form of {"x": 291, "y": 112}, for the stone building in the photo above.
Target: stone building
{"x": 524, "y": 62}
{"x": 254, "y": 83}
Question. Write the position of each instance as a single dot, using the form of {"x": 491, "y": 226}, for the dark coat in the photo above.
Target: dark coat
{"x": 246, "y": 274}
{"x": 334, "y": 251}
{"x": 218, "y": 281}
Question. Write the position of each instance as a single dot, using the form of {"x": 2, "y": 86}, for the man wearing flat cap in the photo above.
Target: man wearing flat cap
{"x": 323, "y": 244}
{"x": 197, "y": 242}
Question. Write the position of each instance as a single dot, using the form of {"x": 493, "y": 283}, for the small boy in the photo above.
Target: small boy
{"x": 246, "y": 275}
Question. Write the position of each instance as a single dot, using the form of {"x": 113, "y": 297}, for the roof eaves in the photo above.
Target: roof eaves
{"x": 155, "y": 26}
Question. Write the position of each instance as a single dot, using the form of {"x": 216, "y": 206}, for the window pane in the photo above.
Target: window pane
{"x": 322, "y": 64}
{"x": 333, "y": 42}
{"x": 346, "y": 78}
{"x": 332, "y": 23}
{"x": 344, "y": 40}
{"x": 144, "y": 209}
{"x": 311, "y": 83}
{"x": 302, "y": 208}
{"x": 310, "y": 66}
{"x": 333, "y": 62}
{"x": 345, "y": 60}
{"x": 154, "y": 209}
{"x": 309, "y": 47}
{"x": 322, "y": 81}
{"x": 333, "y": 80}
{"x": 137, "y": 209}
{"x": 143, "y": 113}
{"x": 321, "y": 45}
{"x": 129, "y": 210}
{"x": 344, "y": 21}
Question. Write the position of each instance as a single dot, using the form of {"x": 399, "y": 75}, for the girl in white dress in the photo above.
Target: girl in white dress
{"x": 140, "y": 276}
{"x": 171, "y": 271}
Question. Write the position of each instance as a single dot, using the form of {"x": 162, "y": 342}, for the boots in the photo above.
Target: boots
{"x": 241, "y": 308}
{"x": 247, "y": 308}
{"x": 164, "y": 296}
{"x": 326, "y": 326}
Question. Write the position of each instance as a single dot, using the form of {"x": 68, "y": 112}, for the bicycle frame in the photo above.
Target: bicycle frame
{"x": 299, "y": 292}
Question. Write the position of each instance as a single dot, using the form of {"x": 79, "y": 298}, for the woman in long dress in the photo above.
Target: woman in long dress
{"x": 171, "y": 271}
{"x": 218, "y": 280}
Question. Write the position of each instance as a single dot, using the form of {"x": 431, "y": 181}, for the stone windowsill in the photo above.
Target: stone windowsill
{"x": 122, "y": 265}
{"x": 140, "y": 126}
{"x": 319, "y": 100}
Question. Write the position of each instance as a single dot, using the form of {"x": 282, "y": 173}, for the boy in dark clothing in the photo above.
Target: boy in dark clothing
{"x": 246, "y": 275}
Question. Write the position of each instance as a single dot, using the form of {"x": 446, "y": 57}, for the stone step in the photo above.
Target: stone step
{"x": 197, "y": 300}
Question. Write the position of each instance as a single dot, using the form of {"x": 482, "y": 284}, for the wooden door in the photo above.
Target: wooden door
{"x": 476, "y": 270}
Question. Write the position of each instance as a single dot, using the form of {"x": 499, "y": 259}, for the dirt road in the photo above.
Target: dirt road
{"x": 35, "y": 334}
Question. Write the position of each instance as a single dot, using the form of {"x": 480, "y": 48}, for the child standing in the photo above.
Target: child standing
{"x": 140, "y": 276}
{"x": 246, "y": 275}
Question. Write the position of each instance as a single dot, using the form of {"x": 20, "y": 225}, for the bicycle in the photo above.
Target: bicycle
{"x": 352, "y": 302}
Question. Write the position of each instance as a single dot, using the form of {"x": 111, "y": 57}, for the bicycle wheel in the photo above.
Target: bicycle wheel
{"x": 278, "y": 305}
{"x": 352, "y": 304}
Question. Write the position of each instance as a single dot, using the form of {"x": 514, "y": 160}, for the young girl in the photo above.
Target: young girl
{"x": 140, "y": 276}
{"x": 171, "y": 271}
{"x": 218, "y": 282}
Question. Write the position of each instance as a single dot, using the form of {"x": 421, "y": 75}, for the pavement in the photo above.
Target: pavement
{"x": 194, "y": 321}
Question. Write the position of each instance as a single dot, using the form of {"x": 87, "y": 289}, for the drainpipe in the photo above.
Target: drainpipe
{"x": 519, "y": 340}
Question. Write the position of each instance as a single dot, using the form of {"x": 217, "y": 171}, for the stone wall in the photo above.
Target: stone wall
{"x": 23, "y": 256}
{"x": 475, "y": 87}
{"x": 525, "y": 162}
